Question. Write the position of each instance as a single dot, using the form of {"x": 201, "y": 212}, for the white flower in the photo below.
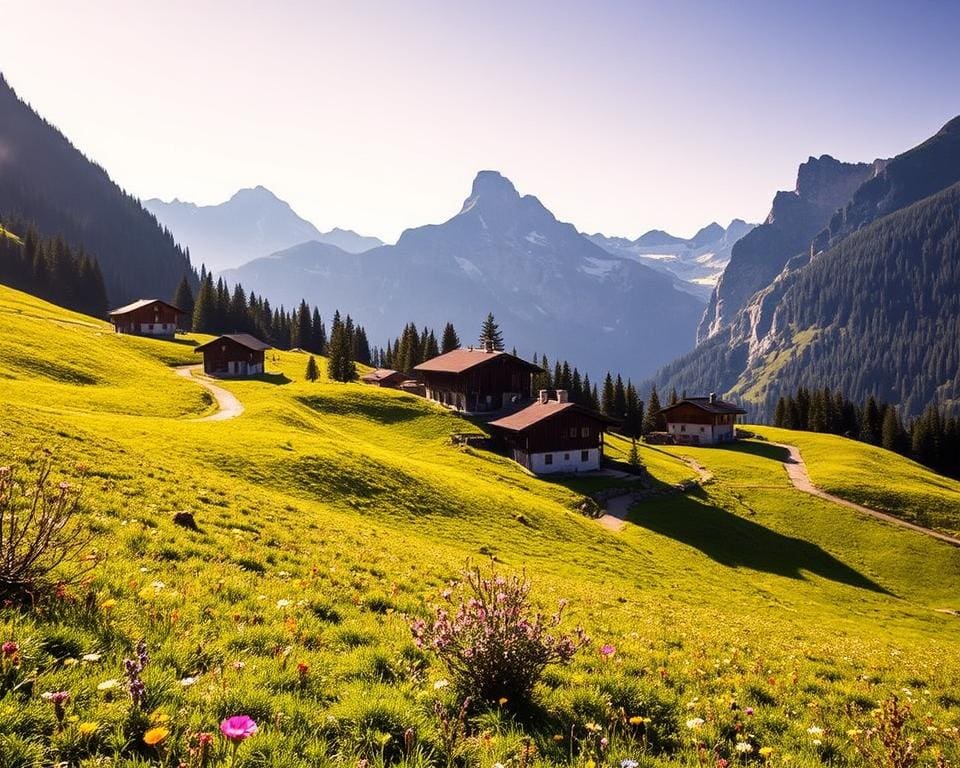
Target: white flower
{"x": 695, "y": 722}
{"x": 188, "y": 681}
{"x": 282, "y": 603}
{"x": 498, "y": 765}
{"x": 106, "y": 685}
{"x": 815, "y": 730}
{"x": 744, "y": 748}
{"x": 158, "y": 585}
{"x": 91, "y": 657}
{"x": 816, "y": 742}
{"x": 440, "y": 684}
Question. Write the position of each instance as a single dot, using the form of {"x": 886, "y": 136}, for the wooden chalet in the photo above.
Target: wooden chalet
{"x": 385, "y": 377}
{"x": 147, "y": 317}
{"x": 476, "y": 380}
{"x": 702, "y": 420}
{"x": 554, "y": 435}
{"x": 234, "y": 354}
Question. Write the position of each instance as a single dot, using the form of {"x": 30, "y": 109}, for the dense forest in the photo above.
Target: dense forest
{"x": 51, "y": 269}
{"x": 48, "y": 182}
{"x": 217, "y": 309}
{"x": 933, "y": 438}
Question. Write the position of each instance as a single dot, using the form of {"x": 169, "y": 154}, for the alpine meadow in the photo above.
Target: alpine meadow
{"x": 317, "y": 484}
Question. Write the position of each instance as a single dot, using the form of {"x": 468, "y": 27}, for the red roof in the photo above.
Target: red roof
{"x": 140, "y": 304}
{"x": 706, "y": 404}
{"x": 460, "y": 360}
{"x": 538, "y": 412}
{"x": 243, "y": 339}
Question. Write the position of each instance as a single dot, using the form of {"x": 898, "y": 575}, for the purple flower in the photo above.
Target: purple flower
{"x": 238, "y": 728}
{"x": 607, "y": 651}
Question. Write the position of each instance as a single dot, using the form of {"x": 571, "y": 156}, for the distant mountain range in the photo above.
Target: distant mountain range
{"x": 553, "y": 290}
{"x": 45, "y": 180}
{"x": 852, "y": 283}
{"x": 697, "y": 262}
{"x": 252, "y": 223}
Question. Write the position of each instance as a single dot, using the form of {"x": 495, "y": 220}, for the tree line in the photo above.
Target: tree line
{"x": 932, "y": 439}
{"x": 50, "y": 269}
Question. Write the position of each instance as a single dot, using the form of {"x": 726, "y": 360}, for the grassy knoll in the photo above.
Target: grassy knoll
{"x": 329, "y": 512}
{"x": 876, "y": 478}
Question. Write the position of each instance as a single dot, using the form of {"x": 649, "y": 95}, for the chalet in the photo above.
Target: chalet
{"x": 476, "y": 380}
{"x": 147, "y": 317}
{"x": 234, "y": 354}
{"x": 554, "y": 435}
{"x": 702, "y": 420}
{"x": 385, "y": 377}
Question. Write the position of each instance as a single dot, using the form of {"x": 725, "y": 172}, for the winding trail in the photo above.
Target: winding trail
{"x": 615, "y": 512}
{"x": 797, "y": 472}
{"x": 228, "y": 406}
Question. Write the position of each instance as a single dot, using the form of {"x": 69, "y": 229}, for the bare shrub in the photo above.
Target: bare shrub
{"x": 41, "y": 538}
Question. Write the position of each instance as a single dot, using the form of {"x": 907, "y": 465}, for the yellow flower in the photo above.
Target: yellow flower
{"x": 591, "y": 764}
{"x": 88, "y": 728}
{"x": 765, "y": 752}
{"x": 503, "y": 700}
{"x": 853, "y": 733}
{"x": 107, "y": 604}
{"x": 155, "y": 735}
{"x": 159, "y": 717}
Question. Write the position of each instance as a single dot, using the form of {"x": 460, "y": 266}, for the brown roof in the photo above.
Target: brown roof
{"x": 140, "y": 303}
{"x": 538, "y": 412}
{"x": 243, "y": 339}
{"x": 382, "y": 373}
{"x": 460, "y": 360}
{"x": 704, "y": 403}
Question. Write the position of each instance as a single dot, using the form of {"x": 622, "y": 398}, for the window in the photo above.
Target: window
{"x": 573, "y": 431}
{"x": 584, "y": 431}
{"x": 701, "y": 429}
{"x": 150, "y": 327}
{"x": 548, "y": 459}
{"x": 566, "y": 457}
{"x": 584, "y": 455}
{"x": 683, "y": 427}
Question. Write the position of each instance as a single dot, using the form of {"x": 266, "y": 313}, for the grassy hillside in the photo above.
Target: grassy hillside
{"x": 330, "y": 512}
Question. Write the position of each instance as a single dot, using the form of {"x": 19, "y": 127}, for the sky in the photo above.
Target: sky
{"x": 620, "y": 116}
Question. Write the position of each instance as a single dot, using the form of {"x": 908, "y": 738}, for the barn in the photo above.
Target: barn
{"x": 385, "y": 377}
{"x": 554, "y": 435}
{"x": 476, "y": 380}
{"x": 702, "y": 420}
{"x": 234, "y": 354}
{"x": 147, "y": 317}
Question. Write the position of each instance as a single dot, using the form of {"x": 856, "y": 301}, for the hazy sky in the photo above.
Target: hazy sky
{"x": 620, "y": 117}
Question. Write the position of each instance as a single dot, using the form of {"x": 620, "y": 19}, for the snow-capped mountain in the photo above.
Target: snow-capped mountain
{"x": 254, "y": 222}
{"x": 552, "y": 290}
{"x": 697, "y": 262}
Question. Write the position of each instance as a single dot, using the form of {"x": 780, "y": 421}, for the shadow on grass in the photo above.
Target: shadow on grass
{"x": 761, "y": 450}
{"x": 272, "y": 378}
{"x": 181, "y": 342}
{"x": 737, "y": 542}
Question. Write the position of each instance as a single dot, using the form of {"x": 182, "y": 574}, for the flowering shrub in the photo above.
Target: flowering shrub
{"x": 493, "y": 642}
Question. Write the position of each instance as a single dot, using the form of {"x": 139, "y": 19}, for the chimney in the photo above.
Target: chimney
{"x": 713, "y": 397}
{"x": 544, "y": 396}
{"x": 561, "y": 395}
{"x": 488, "y": 346}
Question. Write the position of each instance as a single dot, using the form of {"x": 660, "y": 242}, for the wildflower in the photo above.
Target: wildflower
{"x": 88, "y": 728}
{"x": 282, "y": 603}
{"x": 440, "y": 684}
{"x": 238, "y": 728}
{"x": 748, "y": 711}
{"x": 238, "y": 665}
{"x": 502, "y": 700}
{"x": 59, "y": 700}
{"x": 106, "y": 685}
{"x": 604, "y": 743}
{"x": 591, "y": 764}
{"x": 108, "y": 604}
{"x": 815, "y": 730}
{"x": 593, "y": 728}
{"x": 853, "y": 733}
{"x": 607, "y": 651}
{"x": 91, "y": 657}
{"x": 765, "y": 752}
{"x": 134, "y": 669}
{"x": 628, "y": 763}
{"x": 722, "y": 762}
{"x": 638, "y": 720}
{"x": 497, "y": 765}
{"x": 188, "y": 681}
{"x": 155, "y": 736}
{"x": 695, "y": 722}
{"x": 10, "y": 649}
{"x": 744, "y": 747}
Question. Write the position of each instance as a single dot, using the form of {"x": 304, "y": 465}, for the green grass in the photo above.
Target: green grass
{"x": 875, "y": 478}
{"x": 330, "y": 512}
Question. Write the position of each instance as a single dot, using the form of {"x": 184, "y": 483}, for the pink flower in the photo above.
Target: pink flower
{"x": 238, "y": 728}
{"x": 748, "y": 711}
{"x": 10, "y": 648}
{"x": 607, "y": 651}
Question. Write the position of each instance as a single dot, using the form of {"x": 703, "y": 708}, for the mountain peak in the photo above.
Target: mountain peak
{"x": 493, "y": 183}
{"x": 257, "y": 193}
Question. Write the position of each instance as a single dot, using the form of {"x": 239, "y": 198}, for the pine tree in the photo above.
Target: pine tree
{"x": 871, "y": 430}
{"x": 633, "y": 459}
{"x": 619, "y": 399}
{"x": 205, "y": 308}
{"x": 892, "y": 432}
{"x": 607, "y": 398}
{"x": 652, "y": 419}
{"x": 490, "y": 335}
{"x": 301, "y": 334}
{"x": 318, "y": 334}
{"x": 450, "y": 339}
{"x": 780, "y": 415}
{"x": 633, "y": 419}
{"x": 312, "y": 373}
{"x": 183, "y": 299}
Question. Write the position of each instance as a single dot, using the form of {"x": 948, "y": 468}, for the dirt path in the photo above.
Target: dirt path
{"x": 797, "y": 472}
{"x": 227, "y": 404}
{"x": 615, "y": 515}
